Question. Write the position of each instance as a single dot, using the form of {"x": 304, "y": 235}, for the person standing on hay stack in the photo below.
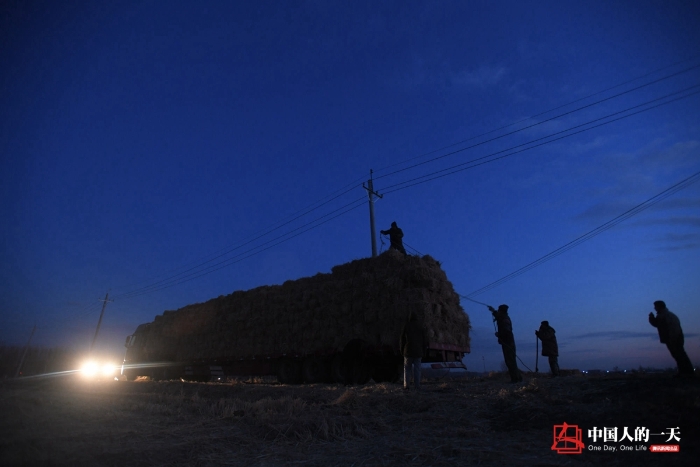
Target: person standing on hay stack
{"x": 395, "y": 237}
{"x": 507, "y": 341}
{"x": 549, "y": 346}
{"x": 671, "y": 334}
{"x": 413, "y": 343}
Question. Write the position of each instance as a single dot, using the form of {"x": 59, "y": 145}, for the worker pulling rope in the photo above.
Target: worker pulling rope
{"x": 505, "y": 344}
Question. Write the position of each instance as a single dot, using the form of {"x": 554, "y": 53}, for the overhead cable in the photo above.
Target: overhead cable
{"x": 592, "y": 233}
{"x": 539, "y": 123}
{"x": 252, "y": 251}
{"x": 489, "y": 158}
{"x": 229, "y": 251}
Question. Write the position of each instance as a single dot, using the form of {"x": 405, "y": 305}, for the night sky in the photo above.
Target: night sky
{"x": 227, "y": 142}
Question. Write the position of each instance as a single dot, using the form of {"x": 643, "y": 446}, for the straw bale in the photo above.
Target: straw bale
{"x": 366, "y": 298}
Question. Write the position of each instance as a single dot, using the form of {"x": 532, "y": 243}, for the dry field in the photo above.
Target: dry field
{"x": 66, "y": 421}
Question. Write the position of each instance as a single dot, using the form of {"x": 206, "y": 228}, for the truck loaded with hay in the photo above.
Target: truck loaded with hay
{"x": 337, "y": 327}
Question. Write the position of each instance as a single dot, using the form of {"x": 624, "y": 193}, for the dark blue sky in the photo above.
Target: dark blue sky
{"x": 140, "y": 140}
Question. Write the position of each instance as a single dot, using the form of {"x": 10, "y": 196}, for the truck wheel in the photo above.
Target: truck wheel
{"x": 385, "y": 372}
{"x": 338, "y": 369}
{"x": 315, "y": 370}
{"x": 289, "y": 371}
{"x": 362, "y": 371}
{"x": 357, "y": 368}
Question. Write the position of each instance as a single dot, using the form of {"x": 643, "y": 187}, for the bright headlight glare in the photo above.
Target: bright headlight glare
{"x": 108, "y": 369}
{"x": 89, "y": 368}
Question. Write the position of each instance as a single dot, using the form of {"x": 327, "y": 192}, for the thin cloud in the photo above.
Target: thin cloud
{"x": 609, "y": 209}
{"x": 684, "y": 221}
{"x": 604, "y": 211}
{"x": 586, "y": 351}
{"x": 627, "y": 175}
{"x": 678, "y": 242}
{"x": 681, "y": 247}
{"x": 442, "y": 76}
{"x": 482, "y": 77}
{"x": 680, "y": 203}
{"x": 618, "y": 335}
{"x": 682, "y": 154}
{"x": 681, "y": 238}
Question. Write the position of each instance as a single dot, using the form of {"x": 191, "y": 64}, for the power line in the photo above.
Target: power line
{"x": 454, "y": 169}
{"x": 223, "y": 252}
{"x": 540, "y": 123}
{"x": 86, "y": 310}
{"x": 180, "y": 278}
{"x": 592, "y": 233}
{"x": 222, "y": 264}
{"x": 194, "y": 269}
{"x": 538, "y": 115}
{"x": 198, "y": 271}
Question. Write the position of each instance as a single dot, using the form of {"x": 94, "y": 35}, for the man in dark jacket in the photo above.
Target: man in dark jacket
{"x": 549, "y": 346}
{"x": 507, "y": 341}
{"x": 413, "y": 343}
{"x": 395, "y": 236}
{"x": 671, "y": 334}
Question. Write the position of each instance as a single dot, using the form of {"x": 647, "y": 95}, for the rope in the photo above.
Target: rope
{"x": 413, "y": 249}
{"x": 472, "y": 300}
{"x": 516, "y": 356}
{"x": 528, "y": 368}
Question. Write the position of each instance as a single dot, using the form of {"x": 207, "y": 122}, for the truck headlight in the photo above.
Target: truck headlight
{"x": 89, "y": 369}
{"x": 93, "y": 369}
{"x": 108, "y": 369}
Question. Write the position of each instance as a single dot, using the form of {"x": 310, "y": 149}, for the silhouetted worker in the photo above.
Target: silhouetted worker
{"x": 412, "y": 343}
{"x": 671, "y": 334}
{"x": 549, "y": 346}
{"x": 507, "y": 341}
{"x": 395, "y": 236}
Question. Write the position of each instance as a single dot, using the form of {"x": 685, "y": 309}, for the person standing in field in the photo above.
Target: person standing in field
{"x": 395, "y": 237}
{"x": 671, "y": 334}
{"x": 507, "y": 341}
{"x": 550, "y": 348}
{"x": 412, "y": 343}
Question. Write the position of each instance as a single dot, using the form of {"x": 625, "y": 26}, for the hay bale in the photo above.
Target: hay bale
{"x": 366, "y": 298}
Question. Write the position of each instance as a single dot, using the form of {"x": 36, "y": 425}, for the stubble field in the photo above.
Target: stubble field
{"x": 68, "y": 421}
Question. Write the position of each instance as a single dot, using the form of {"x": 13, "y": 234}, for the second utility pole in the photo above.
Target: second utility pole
{"x": 99, "y": 322}
{"x": 371, "y": 193}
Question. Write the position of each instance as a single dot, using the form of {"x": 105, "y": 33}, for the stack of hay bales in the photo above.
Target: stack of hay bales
{"x": 368, "y": 298}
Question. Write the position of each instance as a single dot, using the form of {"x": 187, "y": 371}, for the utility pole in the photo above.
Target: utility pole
{"x": 371, "y": 193}
{"x": 21, "y": 362}
{"x": 104, "y": 305}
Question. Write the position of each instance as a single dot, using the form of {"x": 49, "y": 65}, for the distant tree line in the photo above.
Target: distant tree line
{"x": 38, "y": 360}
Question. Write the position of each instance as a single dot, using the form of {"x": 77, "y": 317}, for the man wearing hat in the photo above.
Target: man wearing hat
{"x": 550, "y": 348}
{"x": 507, "y": 341}
{"x": 671, "y": 334}
{"x": 395, "y": 236}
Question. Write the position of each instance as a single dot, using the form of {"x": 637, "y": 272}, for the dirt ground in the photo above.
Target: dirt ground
{"x": 68, "y": 421}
